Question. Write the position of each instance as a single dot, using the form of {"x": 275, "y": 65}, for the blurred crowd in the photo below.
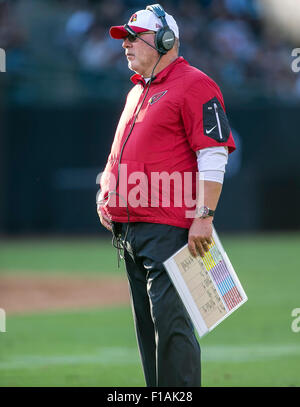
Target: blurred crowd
{"x": 61, "y": 49}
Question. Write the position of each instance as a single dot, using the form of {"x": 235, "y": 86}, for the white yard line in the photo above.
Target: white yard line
{"x": 123, "y": 356}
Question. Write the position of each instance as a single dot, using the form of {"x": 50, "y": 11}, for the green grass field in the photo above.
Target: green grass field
{"x": 253, "y": 347}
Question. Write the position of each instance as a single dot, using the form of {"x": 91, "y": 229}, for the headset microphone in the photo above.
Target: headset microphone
{"x": 135, "y": 35}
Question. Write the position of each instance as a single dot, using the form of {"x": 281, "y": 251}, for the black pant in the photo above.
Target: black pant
{"x": 168, "y": 347}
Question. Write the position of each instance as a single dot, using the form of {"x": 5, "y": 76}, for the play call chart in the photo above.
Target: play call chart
{"x": 208, "y": 286}
{"x": 221, "y": 276}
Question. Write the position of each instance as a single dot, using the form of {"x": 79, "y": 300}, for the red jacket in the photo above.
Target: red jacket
{"x": 183, "y": 112}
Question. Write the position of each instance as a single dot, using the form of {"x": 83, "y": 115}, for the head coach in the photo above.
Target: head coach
{"x": 173, "y": 122}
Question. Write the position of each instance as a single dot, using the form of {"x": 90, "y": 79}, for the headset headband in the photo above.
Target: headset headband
{"x": 159, "y": 12}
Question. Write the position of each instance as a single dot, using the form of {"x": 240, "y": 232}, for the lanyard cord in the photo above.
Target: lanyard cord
{"x": 117, "y": 240}
{"x": 134, "y": 121}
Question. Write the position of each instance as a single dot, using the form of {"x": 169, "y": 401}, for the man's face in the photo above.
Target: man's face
{"x": 140, "y": 56}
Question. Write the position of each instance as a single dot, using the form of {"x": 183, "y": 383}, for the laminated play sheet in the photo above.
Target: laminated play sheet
{"x": 208, "y": 286}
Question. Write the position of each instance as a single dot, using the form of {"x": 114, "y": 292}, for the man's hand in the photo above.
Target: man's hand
{"x": 104, "y": 219}
{"x": 200, "y": 236}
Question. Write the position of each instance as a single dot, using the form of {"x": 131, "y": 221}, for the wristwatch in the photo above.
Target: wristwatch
{"x": 204, "y": 212}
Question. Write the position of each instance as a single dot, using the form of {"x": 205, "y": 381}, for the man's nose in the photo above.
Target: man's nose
{"x": 126, "y": 43}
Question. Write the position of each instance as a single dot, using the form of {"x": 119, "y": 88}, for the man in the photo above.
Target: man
{"x": 173, "y": 126}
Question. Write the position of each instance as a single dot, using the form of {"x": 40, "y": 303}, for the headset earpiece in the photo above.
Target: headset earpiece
{"x": 164, "y": 40}
{"x": 164, "y": 37}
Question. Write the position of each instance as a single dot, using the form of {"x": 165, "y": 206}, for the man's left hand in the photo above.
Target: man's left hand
{"x": 200, "y": 234}
{"x": 104, "y": 219}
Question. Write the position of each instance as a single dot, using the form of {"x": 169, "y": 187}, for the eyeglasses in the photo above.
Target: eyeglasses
{"x": 133, "y": 38}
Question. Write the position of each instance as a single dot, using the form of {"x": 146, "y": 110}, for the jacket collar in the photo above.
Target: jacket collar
{"x": 162, "y": 75}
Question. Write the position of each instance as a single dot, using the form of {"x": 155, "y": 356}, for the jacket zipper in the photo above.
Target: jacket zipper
{"x": 218, "y": 120}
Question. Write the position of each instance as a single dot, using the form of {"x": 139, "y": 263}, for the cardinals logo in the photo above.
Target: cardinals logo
{"x": 155, "y": 98}
{"x": 133, "y": 18}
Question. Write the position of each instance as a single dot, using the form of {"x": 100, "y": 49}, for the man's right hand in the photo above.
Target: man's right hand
{"x": 103, "y": 218}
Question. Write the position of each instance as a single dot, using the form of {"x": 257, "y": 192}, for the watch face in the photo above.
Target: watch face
{"x": 202, "y": 211}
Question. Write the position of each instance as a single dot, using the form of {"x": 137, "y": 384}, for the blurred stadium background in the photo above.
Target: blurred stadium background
{"x": 60, "y": 100}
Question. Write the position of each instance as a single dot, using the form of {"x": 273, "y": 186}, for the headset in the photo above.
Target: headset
{"x": 164, "y": 38}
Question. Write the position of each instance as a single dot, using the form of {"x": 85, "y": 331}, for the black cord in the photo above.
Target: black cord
{"x": 117, "y": 240}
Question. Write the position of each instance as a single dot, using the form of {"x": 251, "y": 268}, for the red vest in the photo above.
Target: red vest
{"x": 157, "y": 175}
